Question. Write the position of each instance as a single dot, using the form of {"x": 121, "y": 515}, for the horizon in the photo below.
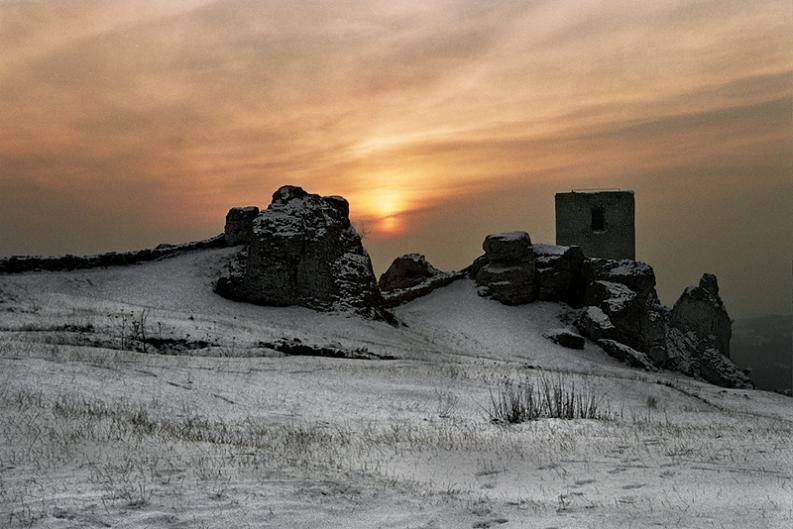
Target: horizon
{"x": 141, "y": 123}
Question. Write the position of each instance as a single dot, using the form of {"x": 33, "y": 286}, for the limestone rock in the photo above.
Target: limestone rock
{"x": 304, "y": 251}
{"x": 560, "y": 273}
{"x": 411, "y": 276}
{"x": 627, "y": 354}
{"x": 508, "y": 247}
{"x": 472, "y": 269}
{"x": 509, "y": 273}
{"x": 611, "y": 297}
{"x": 700, "y": 309}
{"x": 239, "y": 223}
{"x": 624, "y": 309}
{"x": 407, "y": 271}
{"x": 636, "y": 275}
{"x": 565, "y": 338}
{"x": 511, "y": 285}
{"x": 718, "y": 369}
{"x": 595, "y": 324}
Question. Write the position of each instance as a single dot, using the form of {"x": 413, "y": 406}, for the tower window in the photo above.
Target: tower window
{"x": 598, "y": 219}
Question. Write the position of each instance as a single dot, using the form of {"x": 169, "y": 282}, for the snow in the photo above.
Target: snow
{"x": 509, "y": 236}
{"x": 627, "y": 267}
{"x": 619, "y": 296}
{"x": 597, "y": 315}
{"x": 549, "y": 249}
{"x": 237, "y": 435}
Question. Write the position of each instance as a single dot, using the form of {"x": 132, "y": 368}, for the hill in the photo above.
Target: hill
{"x": 136, "y": 397}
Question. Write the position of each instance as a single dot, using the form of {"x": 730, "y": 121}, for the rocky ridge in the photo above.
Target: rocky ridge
{"x": 616, "y": 305}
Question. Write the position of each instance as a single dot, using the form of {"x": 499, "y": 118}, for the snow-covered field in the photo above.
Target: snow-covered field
{"x": 223, "y": 431}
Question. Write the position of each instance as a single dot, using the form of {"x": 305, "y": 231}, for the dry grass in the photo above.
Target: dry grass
{"x": 551, "y": 397}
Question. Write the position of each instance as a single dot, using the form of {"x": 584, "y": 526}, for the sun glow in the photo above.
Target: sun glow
{"x": 383, "y": 209}
{"x": 392, "y": 225}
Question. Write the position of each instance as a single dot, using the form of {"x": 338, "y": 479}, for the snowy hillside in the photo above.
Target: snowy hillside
{"x": 136, "y": 397}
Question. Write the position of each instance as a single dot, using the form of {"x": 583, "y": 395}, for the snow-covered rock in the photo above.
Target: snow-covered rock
{"x": 720, "y": 370}
{"x": 627, "y": 354}
{"x": 239, "y": 223}
{"x": 560, "y": 273}
{"x": 508, "y": 247}
{"x": 624, "y": 308}
{"x": 565, "y": 338}
{"x": 595, "y": 324}
{"x": 636, "y": 275}
{"x": 407, "y": 271}
{"x": 509, "y": 274}
{"x": 701, "y": 310}
{"x": 412, "y": 276}
{"x": 304, "y": 251}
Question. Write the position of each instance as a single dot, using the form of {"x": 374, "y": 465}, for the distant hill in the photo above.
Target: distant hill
{"x": 764, "y": 345}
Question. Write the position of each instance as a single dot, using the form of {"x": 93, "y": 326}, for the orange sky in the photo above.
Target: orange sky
{"x": 129, "y": 123}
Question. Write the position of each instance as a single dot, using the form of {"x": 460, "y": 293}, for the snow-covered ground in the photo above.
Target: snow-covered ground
{"x": 226, "y": 432}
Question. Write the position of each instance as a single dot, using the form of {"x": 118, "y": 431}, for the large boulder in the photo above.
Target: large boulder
{"x": 509, "y": 284}
{"x": 625, "y": 291}
{"x": 407, "y": 271}
{"x": 700, "y": 309}
{"x": 560, "y": 273}
{"x": 627, "y": 354}
{"x": 411, "y": 276}
{"x": 720, "y": 370}
{"x": 636, "y": 275}
{"x": 239, "y": 223}
{"x": 565, "y": 338}
{"x": 508, "y": 272}
{"x": 595, "y": 324}
{"x": 302, "y": 250}
{"x": 508, "y": 247}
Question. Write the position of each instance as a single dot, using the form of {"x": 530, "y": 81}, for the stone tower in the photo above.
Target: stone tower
{"x": 602, "y": 223}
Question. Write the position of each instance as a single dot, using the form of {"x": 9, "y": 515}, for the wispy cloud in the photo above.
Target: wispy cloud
{"x": 173, "y": 111}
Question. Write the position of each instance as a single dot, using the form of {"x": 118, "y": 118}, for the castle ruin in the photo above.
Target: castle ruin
{"x": 602, "y": 223}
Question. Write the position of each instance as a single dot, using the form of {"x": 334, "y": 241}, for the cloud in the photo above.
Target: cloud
{"x": 173, "y": 111}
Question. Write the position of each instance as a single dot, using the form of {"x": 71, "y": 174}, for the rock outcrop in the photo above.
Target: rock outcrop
{"x": 636, "y": 275}
{"x": 624, "y": 308}
{"x": 411, "y": 276}
{"x": 239, "y": 223}
{"x": 625, "y": 353}
{"x": 303, "y": 250}
{"x": 700, "y": 309}
{"x": 565, "y": 338}
{"x": 560, "y": 274}
{"x": 407, "y": 271}
{"x": 508, "y": 275}
{"x": 619, "y": 307}
{"x": 594, "y": 323}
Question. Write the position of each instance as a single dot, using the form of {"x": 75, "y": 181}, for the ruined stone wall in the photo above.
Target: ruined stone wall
{"x": 23, "y": 263}
{"x": 602, "y": 223}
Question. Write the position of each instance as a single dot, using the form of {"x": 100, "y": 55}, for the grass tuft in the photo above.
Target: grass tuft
{"x": 558, "y": 397}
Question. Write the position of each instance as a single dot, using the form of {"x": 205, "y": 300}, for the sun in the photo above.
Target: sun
{"x": 384, "y": 209}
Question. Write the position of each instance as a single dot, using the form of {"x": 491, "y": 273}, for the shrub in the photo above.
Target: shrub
{"x": 552, "y": 397}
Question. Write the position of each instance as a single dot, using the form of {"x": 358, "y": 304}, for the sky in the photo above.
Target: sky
{"x": 128, "y": 123}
